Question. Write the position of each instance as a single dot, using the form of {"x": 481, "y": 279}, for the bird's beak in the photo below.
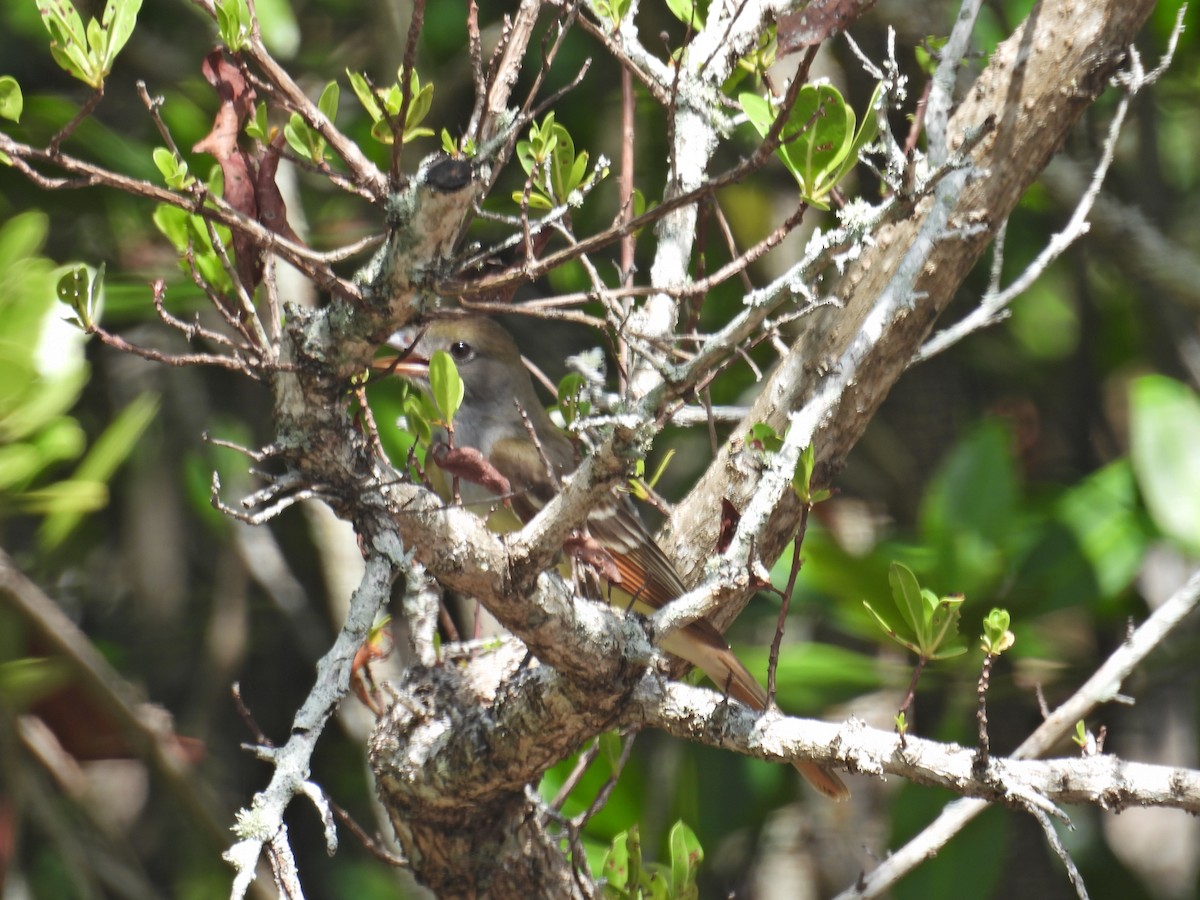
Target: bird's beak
{"x": 399, "y": 357}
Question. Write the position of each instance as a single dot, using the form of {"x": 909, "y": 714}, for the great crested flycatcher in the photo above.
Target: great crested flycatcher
{"x": 497, "y": 388}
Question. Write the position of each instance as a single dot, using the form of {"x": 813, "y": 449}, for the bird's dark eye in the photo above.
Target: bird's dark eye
{"x": 461, "y": 351}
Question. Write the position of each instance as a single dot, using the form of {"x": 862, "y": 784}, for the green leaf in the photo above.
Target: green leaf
{"x": 96, "y": 40}
{"x": 549, "y": 158}
{"x": 11, "y": 101}
{"x": 417, "y": 417}
{"x": 445, "y": 385}
{"x": 377, "y": 101}
{"x": 306, "y": 142}
{"x": 234, "y": 23}
{"x": 686, "y": 856}
{"x": 53, "y": 399}
{"x": 802, "y": 477}
{"x": 61, "y": 16}
{"x": 615, "y": 869}
{"x": 932, "y": 619}
{"x": 120, "y": 16}
{"x": 1164, "y": 437}
{"x": 865, "y": 134}
{"x": 764, "y": 438}
{"x": 926, "y": 51}
{"x": 571, "y": 404}
{"x": 419, "y": 104}
{"x": 536, "y": 200}
{"x": 613, "y": 10}
{"x": 108, "y": 452}
{"x": 944, "y": 642}
{"x": 78, "y": 289}
{"x": 69, "y": 41}
{"x": 362, "y": 90}
{"x": 174, "y": 170}
{"x": 88, "y": 53}
{"x": 996, "y": 635}
{"x": 819, "y": 144}
{"x": 888, "y": 630}
{"x": 25, "y": 681}
{"x": 187, "y": 230}
{"x": 662, "y": 467}
{"x": 906, "y": 594}
{"x": 328, "y": 103}
{"x": 687, "y": 12}
{"x": 259, "y": 126}
{"x": 19, "y": 463}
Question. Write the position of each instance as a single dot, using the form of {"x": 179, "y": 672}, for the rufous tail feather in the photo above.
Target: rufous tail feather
{"x": 727, "y": 672}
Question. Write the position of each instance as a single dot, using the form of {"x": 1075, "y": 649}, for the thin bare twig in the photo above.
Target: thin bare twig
{"x": 314, "y": 265}
{"x": 618, "y": 52}
{"x": 532, "y": 271}
{"x": 396, "y": 175}
{"x": 88, "y": 107}
{"x": 232, "y": 363}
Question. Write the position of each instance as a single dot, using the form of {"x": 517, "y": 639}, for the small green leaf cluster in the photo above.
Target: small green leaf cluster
{"x": 189, "y": 234}
{"x": 259, "y": 127}
{"x": 639, "y": 485}
{"x": 802, "y": 479}
{"x": 756, "y": 63}
{"x": 689, "y": 12}
{"x": 423, "y": 411}
{"x": 383, "y": 106}
{"x": 306, "y": 141}
{"x": 612, "y": 10}
{"x": 767, "y": 440}
{"x": 88, "y": 53}
{"x": 419, "y": 414}
{"x": 927, "y": 51}
{"x": 174, "y": 169}
{"x": 996, "y": 634}
{"x": 932, "y": 620}
{"x": 573, "y": 402}
{"x": 818, "y": 144}
{"x": 628, "y": 877}
{"x": 1088, "y": 743}
{"x": 82, "y": 291}
{"x": 550, "y": 160}
{"x": 234, "y": 23}
{"x": 464, "y": 146}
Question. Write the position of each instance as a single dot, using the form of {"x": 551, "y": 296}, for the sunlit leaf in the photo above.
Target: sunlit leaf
{"x": 1164, "y": 437}
{"x": 445, "y": 384}
{"x": 11, "y": 101}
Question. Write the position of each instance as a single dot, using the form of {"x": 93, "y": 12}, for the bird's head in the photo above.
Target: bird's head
{"x": 485, "y": 355}
{"x": 491, "y": 369}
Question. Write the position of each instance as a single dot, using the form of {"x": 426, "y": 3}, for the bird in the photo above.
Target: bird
{"x": 498, "y": 401}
